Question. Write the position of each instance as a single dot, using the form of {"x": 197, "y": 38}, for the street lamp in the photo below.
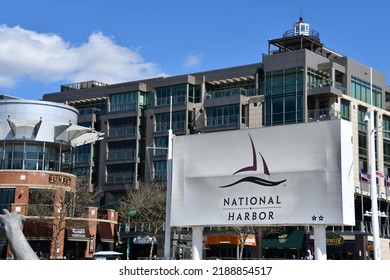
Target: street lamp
{"x": 129, "y": 214}
{"x": 373, "y": 187}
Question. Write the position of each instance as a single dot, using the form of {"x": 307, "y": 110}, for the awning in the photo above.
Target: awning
{"x": 78, "y": 234}
{"x": 77, "y": 135}
{"x": 106, "y": 232}
{"x": 284, "y": 240}
{"x": 37, "y": 230}
{"x": 250, "y": 240}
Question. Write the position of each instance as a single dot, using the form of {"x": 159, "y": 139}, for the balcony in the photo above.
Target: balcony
{"x": 122, "y": 132}
{"x": 323, "y": 115}
{"x": 222, "y": 123}
{"x": 326, "y": 87}
{"x": 120, "y": 155}
{"x": 120, "y": 178}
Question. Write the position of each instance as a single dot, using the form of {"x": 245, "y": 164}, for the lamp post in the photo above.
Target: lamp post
{"x": 167, "y": 239}
{"x": 129, "y": 214}
{"x": 373, "y": 186}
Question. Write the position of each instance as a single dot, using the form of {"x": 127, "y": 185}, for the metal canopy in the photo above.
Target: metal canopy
{"x": 24, "y": 128}
{"x": 77, "y": 135}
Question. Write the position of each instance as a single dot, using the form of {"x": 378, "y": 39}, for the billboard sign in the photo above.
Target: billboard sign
{"x": 300, "y": 174}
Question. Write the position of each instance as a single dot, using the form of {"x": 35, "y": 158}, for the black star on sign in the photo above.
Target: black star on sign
{"x": 314, "y": 218}
{"x": 321, "y": 218}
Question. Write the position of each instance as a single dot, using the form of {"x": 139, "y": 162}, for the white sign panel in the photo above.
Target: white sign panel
{"x": 298, "y": 174}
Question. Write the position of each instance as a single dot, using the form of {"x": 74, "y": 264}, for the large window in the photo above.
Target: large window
{"x": 223, "y": 115}
{"x": 284, "y": 97}
{"x": 6, "y": 198}
{"x": 123, "y": 127}
{"x": 178, "y": 122}
{"x": 124, "y": 101}
{"x": 345, "y": 110}
{"x": 160, "y": 170}
{"x": 178, "y": 93}
{"x": 120, "y": 174}
{"x": 161, "y": 146}
{"x": 121, "y": 150}
{"x": 362, "y": 130}
{"x": 362, "y": 90}
{"x": 29, "y": 156}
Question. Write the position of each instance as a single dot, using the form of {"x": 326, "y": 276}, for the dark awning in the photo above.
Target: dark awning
{"x": 284, "y": 240}
{"x": 106, "y": 232}
{"x": 37, "y": 230}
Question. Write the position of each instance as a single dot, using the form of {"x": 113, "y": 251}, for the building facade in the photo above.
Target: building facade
{"x": 299, "y": 80}
{"x": 35, "y": 179}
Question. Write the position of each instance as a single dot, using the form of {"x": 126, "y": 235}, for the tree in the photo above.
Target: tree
{"x": 149, "y": 202}
{"x": 53, "y": 207}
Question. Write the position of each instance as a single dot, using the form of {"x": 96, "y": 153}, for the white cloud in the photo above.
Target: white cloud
{"x": 192, "y": 60}
{"x": 48, "y": 58}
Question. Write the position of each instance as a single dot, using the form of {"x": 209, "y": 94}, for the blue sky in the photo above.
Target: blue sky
{"x": 44, "y": 44}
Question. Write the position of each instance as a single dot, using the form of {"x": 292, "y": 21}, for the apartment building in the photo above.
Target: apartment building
{"x": 299, "y": 80}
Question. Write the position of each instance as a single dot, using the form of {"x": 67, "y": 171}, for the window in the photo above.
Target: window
{"x": 223, "y": 115}
{"x": 160, "y": 170}
{"x": 6, "y": 198}
{"x": 161, "y": 146}
{"x": 121, "y": 150}
{"x": 120, "y": 173}
{"x": 178, "y": 122}
{"x": 284, "y": 97}
{"x": 178, "y": 93}
{"x": 123, "y": 127}
{"x": 344, "y": 106}
{"x": 124, "y": 101}
{"x": 362, "y": 90}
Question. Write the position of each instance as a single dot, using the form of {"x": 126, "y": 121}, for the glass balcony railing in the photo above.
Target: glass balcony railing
{"x": 122, "y": 132}
{"x": 120, "y": 178}
{"x": 228, "y": 92}
{"x": 127, "y": 154}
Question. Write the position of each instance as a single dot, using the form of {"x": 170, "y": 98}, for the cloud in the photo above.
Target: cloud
{"x": 192, "y": 60}
{"x": 26, "y": 54}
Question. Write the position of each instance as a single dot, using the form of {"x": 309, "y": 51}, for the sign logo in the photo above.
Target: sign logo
{"x": 253, "y": 167}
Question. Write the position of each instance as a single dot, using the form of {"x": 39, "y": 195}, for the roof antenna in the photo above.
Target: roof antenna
{"x": 301, "y": 18}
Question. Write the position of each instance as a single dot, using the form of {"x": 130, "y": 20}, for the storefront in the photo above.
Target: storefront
{"x": 287, "y": 244}
{"x": 228, "y": 246}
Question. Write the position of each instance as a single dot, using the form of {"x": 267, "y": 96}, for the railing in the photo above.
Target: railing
{"x": 223, "y": 121}
{"x": 123, "y": 107}
{"x": 226, "y": 92}
{"x": 325, "y": 83}
{"x": 163, "y": 127}
{"x": 311, "y": 33}
{"x": 124, "y": 154}
{"x": 166, "y": 101}
{"x": 122, "y": 131}
{"x": 323, "y": 114}
{"x": 120, "y": 178}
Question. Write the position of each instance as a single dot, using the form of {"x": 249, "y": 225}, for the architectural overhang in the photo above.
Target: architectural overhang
{"x": 233, "y": 80}
{"x": 77, "y": 135}
{"x": 25, "y": 128}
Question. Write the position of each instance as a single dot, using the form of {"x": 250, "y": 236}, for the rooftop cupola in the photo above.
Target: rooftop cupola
{"x": 301, "y": 37}
{"x": 301, "y": 28}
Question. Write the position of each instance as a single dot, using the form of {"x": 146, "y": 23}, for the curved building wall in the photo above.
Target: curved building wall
{"x": 34, "y": 120}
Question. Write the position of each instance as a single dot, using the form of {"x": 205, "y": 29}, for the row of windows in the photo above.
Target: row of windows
{"x": 361, "y": 90}
{"x": 29, "y": 156}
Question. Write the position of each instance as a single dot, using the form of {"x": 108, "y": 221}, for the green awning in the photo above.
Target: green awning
{"x": 284, "y": 240}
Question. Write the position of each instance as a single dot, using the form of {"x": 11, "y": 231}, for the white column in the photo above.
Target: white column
{"x": 320, "y": 242}
{"x": 197, "y": 243}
